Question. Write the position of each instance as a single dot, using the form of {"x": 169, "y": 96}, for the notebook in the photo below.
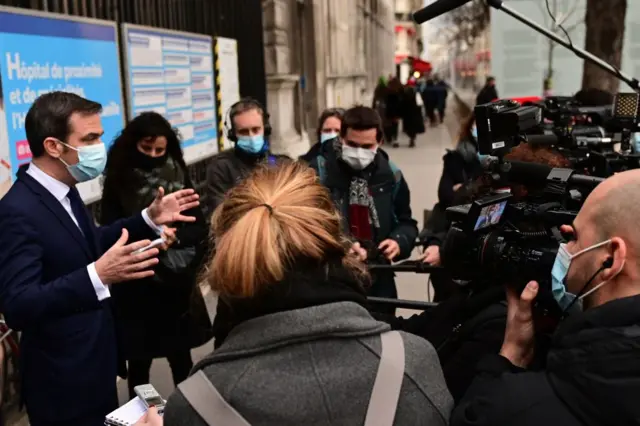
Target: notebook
{"x": 128, "y": 414}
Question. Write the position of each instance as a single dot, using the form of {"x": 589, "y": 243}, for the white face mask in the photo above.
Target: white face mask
{"x": 358, "y": 158}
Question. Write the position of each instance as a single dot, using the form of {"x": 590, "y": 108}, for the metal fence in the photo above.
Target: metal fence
{"x": 238, "y": 19}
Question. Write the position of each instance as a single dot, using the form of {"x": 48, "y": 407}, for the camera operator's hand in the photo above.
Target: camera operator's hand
{"x": 389, "y": 248}
{"x": 357, "y": 250}
{"x": 122, "y": 263}
{"x": 457, "y": 186}
{"x": 519, "y": 341}
{"x": 431, "y": 255}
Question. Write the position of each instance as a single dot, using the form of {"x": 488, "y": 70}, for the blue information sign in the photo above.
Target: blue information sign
{"x": 172, "y": 73}
{"x": 40, "y": 53}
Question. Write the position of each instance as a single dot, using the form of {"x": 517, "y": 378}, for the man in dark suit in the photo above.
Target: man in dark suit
{"x": 56, "y": 265}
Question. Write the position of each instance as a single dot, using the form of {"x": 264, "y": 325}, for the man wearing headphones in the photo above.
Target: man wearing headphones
{"x": 248, "y": 127}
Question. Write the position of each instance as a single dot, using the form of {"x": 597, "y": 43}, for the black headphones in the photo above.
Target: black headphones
{"x": 243, "y": 105}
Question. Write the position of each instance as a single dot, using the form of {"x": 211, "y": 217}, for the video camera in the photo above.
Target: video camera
{"x": 587, "y": 136}
{"x": 485, "y": 243}
{"x": 504, "y": 241}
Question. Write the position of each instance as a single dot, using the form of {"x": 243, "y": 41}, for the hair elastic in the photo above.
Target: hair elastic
{"x": 268, "y": 206}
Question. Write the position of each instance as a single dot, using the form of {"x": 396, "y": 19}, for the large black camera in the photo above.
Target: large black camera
{"x": 486, "y": 241}
{"x": 510, "y": 242}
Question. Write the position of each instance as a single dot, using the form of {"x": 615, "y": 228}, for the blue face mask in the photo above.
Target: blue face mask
{"x": 327, "y": 137}
{"x": 252, "y": 144}
{"x": 91, "y": 162}
{"x": 474, "y": 132}
{"x": 559, "y": 275}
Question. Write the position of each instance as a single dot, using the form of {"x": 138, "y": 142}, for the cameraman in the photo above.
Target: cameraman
{"x": 471, "y": 323}
{"x": 592, "y": 374}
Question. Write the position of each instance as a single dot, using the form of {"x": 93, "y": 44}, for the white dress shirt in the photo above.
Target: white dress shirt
{"x": 60, "y": 191}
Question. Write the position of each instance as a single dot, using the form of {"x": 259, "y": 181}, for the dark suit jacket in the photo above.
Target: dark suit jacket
{"x": 68, "y": 339}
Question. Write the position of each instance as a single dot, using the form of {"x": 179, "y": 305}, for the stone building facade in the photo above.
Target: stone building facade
{"x": 408, "y": 39}
{"x": 321, "y": 54}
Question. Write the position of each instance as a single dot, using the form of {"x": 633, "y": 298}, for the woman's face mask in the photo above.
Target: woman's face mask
{"x": 561, "y": 269}
{"x": 327, "y": 136}
{"x": 474, "y": 132}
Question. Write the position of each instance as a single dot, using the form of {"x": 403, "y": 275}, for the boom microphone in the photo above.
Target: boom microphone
{"x": 439, "y": 7}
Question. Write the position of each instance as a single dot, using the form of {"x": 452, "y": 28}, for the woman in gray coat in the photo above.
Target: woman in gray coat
{"x": 304, "y": 350}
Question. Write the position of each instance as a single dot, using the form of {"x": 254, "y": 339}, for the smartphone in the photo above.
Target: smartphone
{"x": 150, "y": 396}
{"x": 154, "y": 243}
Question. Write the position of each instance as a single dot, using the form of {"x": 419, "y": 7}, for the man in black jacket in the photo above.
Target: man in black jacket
{"x": 248, "y": 127}
{"x": 488, "y": 93}
{"x": 369, "y": 192}
{"x": 592, "y": 373}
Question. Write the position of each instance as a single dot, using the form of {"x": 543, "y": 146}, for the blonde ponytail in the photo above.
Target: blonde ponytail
{"x": 276, "y": 217}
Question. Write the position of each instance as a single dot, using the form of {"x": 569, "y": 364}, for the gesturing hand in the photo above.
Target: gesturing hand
{"x": 168, "y": 208}
{"x": 519, "y": 344}
{"x": 121, "y": 263}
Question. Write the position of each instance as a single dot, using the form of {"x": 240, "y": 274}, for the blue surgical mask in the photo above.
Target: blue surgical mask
{"x": 559, "y": 275}
{"x": 91, "y": 162}
{"x": 474, "y": 132}
{"x": 252, "y": 144}
{"x": 327, "y": 137}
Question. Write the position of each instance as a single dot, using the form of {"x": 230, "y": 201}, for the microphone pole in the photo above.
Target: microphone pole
{"x": 632, "y": 82}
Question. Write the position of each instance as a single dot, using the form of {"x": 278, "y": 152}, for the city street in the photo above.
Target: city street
{"x": 421, "y": 167}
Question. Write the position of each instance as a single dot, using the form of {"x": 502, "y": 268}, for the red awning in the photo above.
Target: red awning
{"x": 526, "y": 99}
{"x": 404, "y": 28}
{"x": 401, "y": 58}
{"x": 417, "y": 64}
{"x": 421, "y": 66}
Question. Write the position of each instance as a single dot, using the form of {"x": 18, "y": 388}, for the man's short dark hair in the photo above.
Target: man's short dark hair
{"x": 362, "y": 118}
{"x": 490, "y": 79}
{"x": 49, "y": 117}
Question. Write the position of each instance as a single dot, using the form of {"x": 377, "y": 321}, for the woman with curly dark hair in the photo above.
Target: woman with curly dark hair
{"x": 163, "y": 316}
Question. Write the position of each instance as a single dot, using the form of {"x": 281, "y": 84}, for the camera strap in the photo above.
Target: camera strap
{"x": 205, "y": 399}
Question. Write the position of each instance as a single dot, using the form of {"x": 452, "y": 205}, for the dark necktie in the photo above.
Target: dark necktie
{"x": 80, "y": 212}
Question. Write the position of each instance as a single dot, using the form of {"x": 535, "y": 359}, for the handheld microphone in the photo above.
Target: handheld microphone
{"x": 439, "y": 7}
